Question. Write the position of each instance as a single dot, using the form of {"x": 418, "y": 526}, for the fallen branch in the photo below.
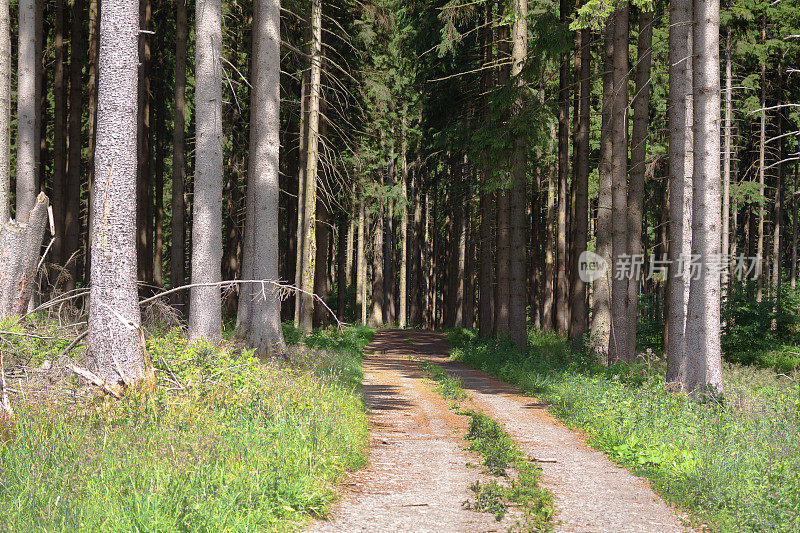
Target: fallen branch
{"x": 114, "y": 389}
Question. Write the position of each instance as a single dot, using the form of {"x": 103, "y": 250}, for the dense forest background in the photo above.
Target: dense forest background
{"x": 445, "y": 164}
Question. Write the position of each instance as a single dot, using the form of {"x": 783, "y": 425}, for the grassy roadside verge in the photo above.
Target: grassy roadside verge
{"x": 735, "y": 465}
{"x": 238, "y": 445}
{"x": 500, "y": 454}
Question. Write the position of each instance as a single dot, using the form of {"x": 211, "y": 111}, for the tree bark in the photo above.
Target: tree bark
{"x": 619, "y": 349}
{"x": 205, "y": 307}
{"x": 20, "y": 246}
{"x": 486, "y": 244}
{"x": 502, "y": 270}
{"x": 562, "y": 289}
{"x": 5, "y": 112}
{"x": 115, "y": 339}
{"x": 361, "y": 263}
{"x": 726, "y": 161}
{"x": 177, "y": 250}
{"x": 72, "y": 225}
{"x": 703, "y": 350}
{"x": 301, "y": 192}
{"x": 28, "y": 110}
{"x": 377, "y": 318}
{"x": 548, "y": 287}
{"x": 342, "y": 239}
{"x": 635, "y": 211}
{"x": 517, "y": 279}
{"x": 321, "y": 262}
{"x": 762, "y": 141}
{"x": 310, "y": 197}
{"x": 59, "y": 138}
{"x": 144, "y": 203}
{"x": 601, "y": 321}
{"x": 578, "y": 315}
{"x": 402, "y": 318}
{"x": 679, "y": 115}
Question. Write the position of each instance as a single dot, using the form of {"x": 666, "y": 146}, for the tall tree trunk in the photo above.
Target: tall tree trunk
{"x": 795, "y": 215}
{"x": 562, "y": 289}
{"x": 91, "y": 111}
{"x": 321, "y": 262}
{"x": 377, "y": 318}
{"x": 635, "y": 211}
{"x": 158, "y": 142}
{"x": 361, "y": 263}
{"x": 72, "y": 215}
{"x": 416, "y": 282}
{"x": 145, "y": 180}
{"x": 345, "y": 223}
{"x": 620, "y": 315}
{"x": 5, "y": 112}
{"x": 402, "y": 318}
{"x": 601, "y": 321}
{"x": 59, "y": 138}
{"x": 177, "y": 251}
{"x": 205, "y": 306}
{"x": 310, "y": 197}
{"x": 703, "y": 350}
{"x": 726, "y": 161}
{"x": 115, "y": 339}
{"x": 762, "y": 142}
{"x": 518, "y": 280}
{"x": 679, "y": 115}
{"x": 301, "y": 192}
{"x": 548, "y": 296}
{"x": 502, "y": 271}
{"x": 28, "y": 117}
{"x": 578, "y": 315}
{"x": 486, "y": 244}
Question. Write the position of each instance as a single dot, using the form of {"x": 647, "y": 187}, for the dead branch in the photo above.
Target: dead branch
{"x": 113, "y": 389}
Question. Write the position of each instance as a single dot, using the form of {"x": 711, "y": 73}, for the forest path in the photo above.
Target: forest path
{"x": 417, "y": 475}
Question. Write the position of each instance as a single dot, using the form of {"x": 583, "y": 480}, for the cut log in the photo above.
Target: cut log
{"x": 20, "y": 249}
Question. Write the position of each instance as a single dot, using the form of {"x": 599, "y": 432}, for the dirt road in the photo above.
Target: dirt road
{"x": 418, "y": 473}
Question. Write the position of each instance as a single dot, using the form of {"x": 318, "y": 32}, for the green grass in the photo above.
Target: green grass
{"x": 244, "y": 446}
{"x": 734, "y": 464}
{"x": 447, "y": 386}
{"x": 499, "y": 453}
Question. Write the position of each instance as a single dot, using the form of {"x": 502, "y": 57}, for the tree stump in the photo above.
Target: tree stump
{"x": 20, "y": 248}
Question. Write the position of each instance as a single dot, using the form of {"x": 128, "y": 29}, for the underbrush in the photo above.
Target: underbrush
{"x": 227, "y": 443}
{"x": 735, "y": 464}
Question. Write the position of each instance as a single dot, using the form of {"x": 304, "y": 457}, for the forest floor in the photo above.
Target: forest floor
{"x": 419, "y": 470}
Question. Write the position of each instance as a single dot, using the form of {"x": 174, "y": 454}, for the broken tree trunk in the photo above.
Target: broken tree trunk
{"x": 20, "y": 244}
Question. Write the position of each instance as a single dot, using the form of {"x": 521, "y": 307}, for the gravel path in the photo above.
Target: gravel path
{"x": 417, "y": 477}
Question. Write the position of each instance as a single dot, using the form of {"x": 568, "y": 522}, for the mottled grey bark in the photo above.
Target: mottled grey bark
{"x": 5, "y": 112}
{"x": 177, "y": 250}
{"x": 114, "y": 339}
{"x": 261, "y": 304}
{"x": 703, "y": 350}
{"x": 601, "y": 302}
{"x": 205, "y": 306}
{"x": 679, "y": 115}
{"x": 20, "y": 246}
{"x": 28, "y": 91}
